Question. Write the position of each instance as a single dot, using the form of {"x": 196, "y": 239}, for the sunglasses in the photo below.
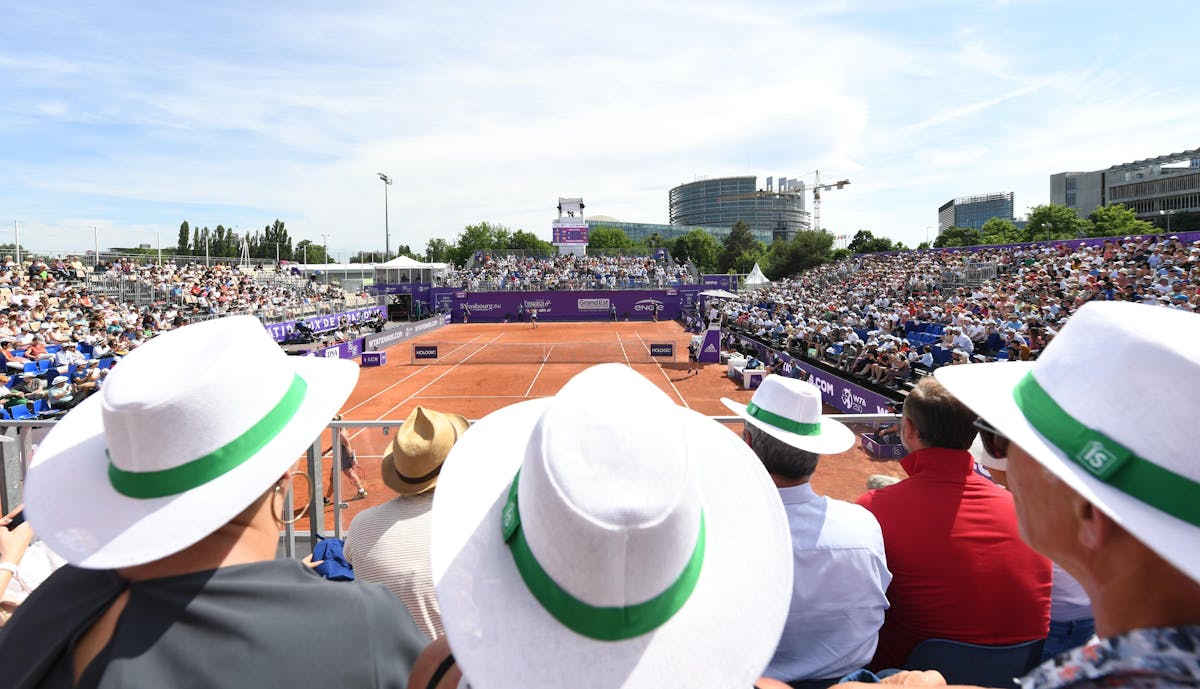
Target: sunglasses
{"x": 995, "y": 442}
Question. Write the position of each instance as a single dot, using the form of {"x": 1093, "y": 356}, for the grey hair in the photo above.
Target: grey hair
{"x": 779, "y": 458}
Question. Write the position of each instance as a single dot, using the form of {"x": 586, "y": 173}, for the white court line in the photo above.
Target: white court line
{"x": 664, "y": 372}
{"x": 405, "y": 378}
{"x": 623, "y": 352}
{"x": 473, "y": 397}
{"x": 444, "y": 374}
{"x": 539, "y": 372}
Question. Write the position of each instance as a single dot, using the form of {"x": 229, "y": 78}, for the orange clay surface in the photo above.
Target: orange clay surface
{"x": 474, "y": 389}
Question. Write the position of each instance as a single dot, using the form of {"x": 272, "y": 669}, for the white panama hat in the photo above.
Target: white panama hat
{"x": 1108, "y": 408}
{"x": 653, "y": 533}
{"x": 789, "y": 410}
{"x": 190, "y": 429}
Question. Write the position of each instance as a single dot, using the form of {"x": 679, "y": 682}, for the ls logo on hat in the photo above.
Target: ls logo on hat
{"x": 1099, "y": 459}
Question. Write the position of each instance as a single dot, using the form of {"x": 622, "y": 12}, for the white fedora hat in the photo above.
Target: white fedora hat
{"x": 1108, "y": 409}
{"x": 789, "y": 410}
{"x": 190, "y": 429}
{"x": 652, "y": 546}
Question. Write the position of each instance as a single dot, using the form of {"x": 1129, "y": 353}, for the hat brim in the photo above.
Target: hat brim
{"x": 391, "y": 478}
{"x": 723, "y": 637}
{"x": 74, "y": 508}
{"x": 833, "y": 438}
{"x": 987, "y": 390}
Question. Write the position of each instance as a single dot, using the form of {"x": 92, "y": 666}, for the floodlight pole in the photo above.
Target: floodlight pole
{"x": 387, "y": 237}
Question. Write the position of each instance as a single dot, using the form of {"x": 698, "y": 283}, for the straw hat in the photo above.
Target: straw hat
{"x": 653, "y": 549}
{"x": 165, "y": 455}
{"x": 414, "y": 460}
{"x": 1108, "y": 409}
{"x": 789, "y": 410}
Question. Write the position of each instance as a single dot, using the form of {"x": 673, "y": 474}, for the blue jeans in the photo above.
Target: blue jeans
{"x": 1065, "y": 636}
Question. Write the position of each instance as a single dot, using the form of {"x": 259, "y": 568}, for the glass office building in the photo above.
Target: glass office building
{"x": 974, "y": 211}
{"x": 723, "y": 201}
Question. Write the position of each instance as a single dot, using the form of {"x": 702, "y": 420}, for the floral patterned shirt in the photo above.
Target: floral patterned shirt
{"x": 1154, "y": 658}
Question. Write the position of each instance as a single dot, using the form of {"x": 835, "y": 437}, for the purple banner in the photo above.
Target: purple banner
{"x": 392, "y": 336}
{"x": 846, "y": 396}
{"x": 373, "y": 359}
{"x": 280, "y": 331}
{"x": 498, "y": 307}
{"x": 725, "y": 282}
{"x": 419, "y": 290}
{"x": 343, "y": 350}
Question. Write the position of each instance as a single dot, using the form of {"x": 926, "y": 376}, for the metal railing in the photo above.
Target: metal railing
{"x": 25, "y": 434}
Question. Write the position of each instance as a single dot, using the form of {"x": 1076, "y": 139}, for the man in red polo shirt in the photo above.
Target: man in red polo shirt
{"x": 959, "y": 567}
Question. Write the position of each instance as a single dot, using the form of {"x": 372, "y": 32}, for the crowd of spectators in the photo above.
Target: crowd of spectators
{"x": 224, "y": 289}
{"x": 888, "y": 317}
{"x": 568, "y": 272}
{"x": 62, "y": 325}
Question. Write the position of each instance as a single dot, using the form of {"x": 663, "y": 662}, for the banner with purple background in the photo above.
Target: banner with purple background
{"x": 280, "y": 331}
{"x": 497, "y": 307}
{"x": 848, "y": 397}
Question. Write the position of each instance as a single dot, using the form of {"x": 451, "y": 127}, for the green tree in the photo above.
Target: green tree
{"x": 197, "y": 247}
{"x": 839, "y": 254}
{"x": 437, "y": 250}
{"x": 185, "y": 234}
{"x": 922, "y": 245}
{"x": 654, "y": 241}
{"x": 807, "y": 249}
{"x": 310, "y": 252}
{"x": 700, "y": 247}
{"x": 999, "y": 231}
{"x": 1117, "y": 220}
{"x": 609, "y": 238}
{"x": 958, "y": 236}
{"x": 483, "y": 236}
{"x": 739, "y": 243}
{"x": 530, "y": 244}
{"x": 865, "y": 242}
{"x": 1053, "y": 221}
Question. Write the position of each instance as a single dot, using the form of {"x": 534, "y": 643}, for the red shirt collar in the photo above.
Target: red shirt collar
{"x": 939, "y": 462}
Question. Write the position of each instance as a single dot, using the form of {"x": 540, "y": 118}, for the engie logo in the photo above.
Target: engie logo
{"x": 647, "y": 305}
{"x": 425, "y": 352}
{"x": 483, "y": 307}
{"x": 852, "y": 402}
{"x": 593, "y": 304}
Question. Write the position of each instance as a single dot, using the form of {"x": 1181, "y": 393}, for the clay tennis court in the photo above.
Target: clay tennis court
{"x": 472, "y": 380}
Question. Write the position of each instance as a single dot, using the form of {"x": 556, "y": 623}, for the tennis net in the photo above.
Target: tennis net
{"x": 621, "y": 351}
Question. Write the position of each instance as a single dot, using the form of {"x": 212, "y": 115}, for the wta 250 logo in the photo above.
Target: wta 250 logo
{"x": 852, "y": 402}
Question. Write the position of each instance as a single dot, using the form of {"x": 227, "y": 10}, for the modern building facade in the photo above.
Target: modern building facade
{"x": 641, "y": 231}
{"x": 721, "y": 202}
{"x": 1152, "y": 187}
{"x": 974, "y": 211}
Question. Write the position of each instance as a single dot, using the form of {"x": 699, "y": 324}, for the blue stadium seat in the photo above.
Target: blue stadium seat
{"x": 985, "y": 666}
{"x": 86, "y": 349}
{"x": 18, "y": 352}
{"x": 20, "y": 412}
{"x": 941, "y": 356}
{"x": 43, "y": 365}
{"x": 993, "y": 342}
{"x": 31, "y": 367}
{"x": 53, "y": 349}
{"x": 4, "y": 413}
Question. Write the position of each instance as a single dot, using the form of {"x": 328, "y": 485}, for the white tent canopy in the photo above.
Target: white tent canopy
{"x": 718, "y": 294}
{"x": 756, "y": 278}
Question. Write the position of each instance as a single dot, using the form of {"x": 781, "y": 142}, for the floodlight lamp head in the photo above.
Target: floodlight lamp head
{"x": 385, "y": 178}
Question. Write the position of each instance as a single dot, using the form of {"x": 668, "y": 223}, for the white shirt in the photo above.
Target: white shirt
{"x": 838, "y": 596}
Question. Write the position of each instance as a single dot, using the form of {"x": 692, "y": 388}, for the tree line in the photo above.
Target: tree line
{"x": 1049, "y": 222}
{"x": 737, "y": 253}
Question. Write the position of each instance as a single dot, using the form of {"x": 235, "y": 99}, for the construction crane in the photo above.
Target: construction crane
{"x": 816, "y": 189}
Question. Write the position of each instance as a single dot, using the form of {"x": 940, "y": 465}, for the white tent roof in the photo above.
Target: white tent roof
{"x": 407, "y": 262}
{"x": 756, "y": 278}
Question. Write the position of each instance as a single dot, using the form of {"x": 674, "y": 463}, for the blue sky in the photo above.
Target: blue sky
{"x": 132, "y": 117}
